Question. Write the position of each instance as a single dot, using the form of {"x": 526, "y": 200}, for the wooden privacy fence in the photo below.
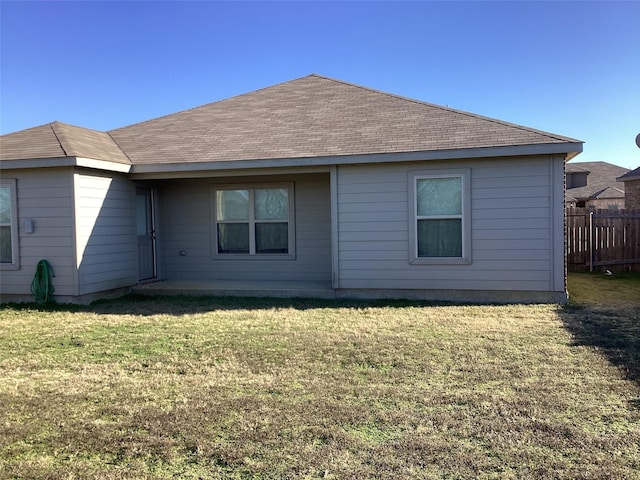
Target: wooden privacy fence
{"x": 602, "y": 238}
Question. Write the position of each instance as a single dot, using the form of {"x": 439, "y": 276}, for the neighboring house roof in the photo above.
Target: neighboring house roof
{"x": 601, "y": 181}
{"x": 54, "y": 140}
{"x": 632, "y": 175}
{"x": 310, "y": 117}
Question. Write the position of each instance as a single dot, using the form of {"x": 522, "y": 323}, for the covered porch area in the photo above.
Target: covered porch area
{"x": 185, "y": 230}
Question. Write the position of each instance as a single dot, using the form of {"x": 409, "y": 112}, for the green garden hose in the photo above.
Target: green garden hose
{"x": 41, "y": 286}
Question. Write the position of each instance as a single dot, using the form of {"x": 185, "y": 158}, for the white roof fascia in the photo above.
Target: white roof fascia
{"x": 166, "y": 169}
{"x": 570, "y": 149}
{"x": 103, "y": 165}
{"x": 203, "y": 172}
{"x": 38, "y": 163}
{"x": 65, "y": 162}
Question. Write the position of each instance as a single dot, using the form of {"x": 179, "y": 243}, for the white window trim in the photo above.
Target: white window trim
{"x": 291, "y": 255}
{"x": 15, "y": 253}
{"x": 414, "y": 176}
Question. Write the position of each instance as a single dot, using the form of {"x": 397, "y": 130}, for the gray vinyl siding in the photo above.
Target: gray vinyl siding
{"x": 44, "y": 196}
{"x": 186, "y": 226}
{"x": 106, "y": 236}
{"x": 515, "y": 224}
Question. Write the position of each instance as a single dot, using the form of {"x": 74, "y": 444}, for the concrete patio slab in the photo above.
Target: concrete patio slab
{"x": 223, "y": 288}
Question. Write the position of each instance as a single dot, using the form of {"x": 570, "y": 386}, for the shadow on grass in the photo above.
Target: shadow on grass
{"x": 135, "y": 304}
{"x": 615, "y": 333}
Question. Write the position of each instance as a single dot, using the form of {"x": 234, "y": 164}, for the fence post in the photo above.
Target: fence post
{"x": 591, "y": 241}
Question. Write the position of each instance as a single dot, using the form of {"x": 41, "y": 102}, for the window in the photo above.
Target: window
{"x": 440, "y": 225}
{"x": 8, "y": 225}
{"x": 254, "y": 220}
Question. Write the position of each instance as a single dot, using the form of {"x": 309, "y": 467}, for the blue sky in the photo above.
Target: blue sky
{"x": 571, "y": 68}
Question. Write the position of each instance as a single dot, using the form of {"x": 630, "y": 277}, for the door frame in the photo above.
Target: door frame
{"x": 150, "y": 193}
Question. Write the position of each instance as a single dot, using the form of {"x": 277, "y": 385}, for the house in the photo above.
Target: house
{"x": 631, "y": 182}
{"x": 311, "y": 187}
{"x": 593, "y": 185}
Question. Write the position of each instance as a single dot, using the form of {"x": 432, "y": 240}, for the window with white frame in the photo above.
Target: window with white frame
{"x": 8, "y": 225}
{"x": 440, "y": 224}
{"x": 254, "y": 220}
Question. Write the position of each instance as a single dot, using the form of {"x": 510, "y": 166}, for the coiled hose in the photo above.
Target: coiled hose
{"x": 41, "y": 287}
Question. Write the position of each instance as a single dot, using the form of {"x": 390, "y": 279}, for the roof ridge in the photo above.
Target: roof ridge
{"x": 597, "y": 194}
{"x": 55, "y": 134}
{"x": 65, "y": 124}
{"x": 72, "y": 146}
{"x": 451, "y": 110}
{"x": 117, "y": 144}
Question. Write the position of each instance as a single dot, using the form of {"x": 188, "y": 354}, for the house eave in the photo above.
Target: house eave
{"x": 628, "y": 179}
{"x": 167, "y": 169}
{"x": 92, "y": 163}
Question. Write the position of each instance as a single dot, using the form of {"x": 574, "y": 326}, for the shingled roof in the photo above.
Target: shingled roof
{"x": 601, "y": 181}
{"x": 56, "y": 139}
{"x": 313, "y": 116}
{"x": 632, "y": 175}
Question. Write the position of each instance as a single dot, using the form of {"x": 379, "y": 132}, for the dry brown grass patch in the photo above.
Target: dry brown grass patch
{"x": 249, "y": 388}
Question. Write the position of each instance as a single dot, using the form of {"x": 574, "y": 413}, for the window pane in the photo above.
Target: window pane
{"x": 440, "y": 238}
{"x": 272, "y": 238}
{"x": 232, "y": 205}
{"x": 5, "y": 245}
{"x": 5, "y": 205}
{"x": 272, "y": 204}
{"x": 439, "y": 196}
{"x": 233, "y": 238}
{"x": 143, "y": 226}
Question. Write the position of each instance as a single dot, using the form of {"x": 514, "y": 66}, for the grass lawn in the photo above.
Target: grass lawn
{"x": 253, "y": 388}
